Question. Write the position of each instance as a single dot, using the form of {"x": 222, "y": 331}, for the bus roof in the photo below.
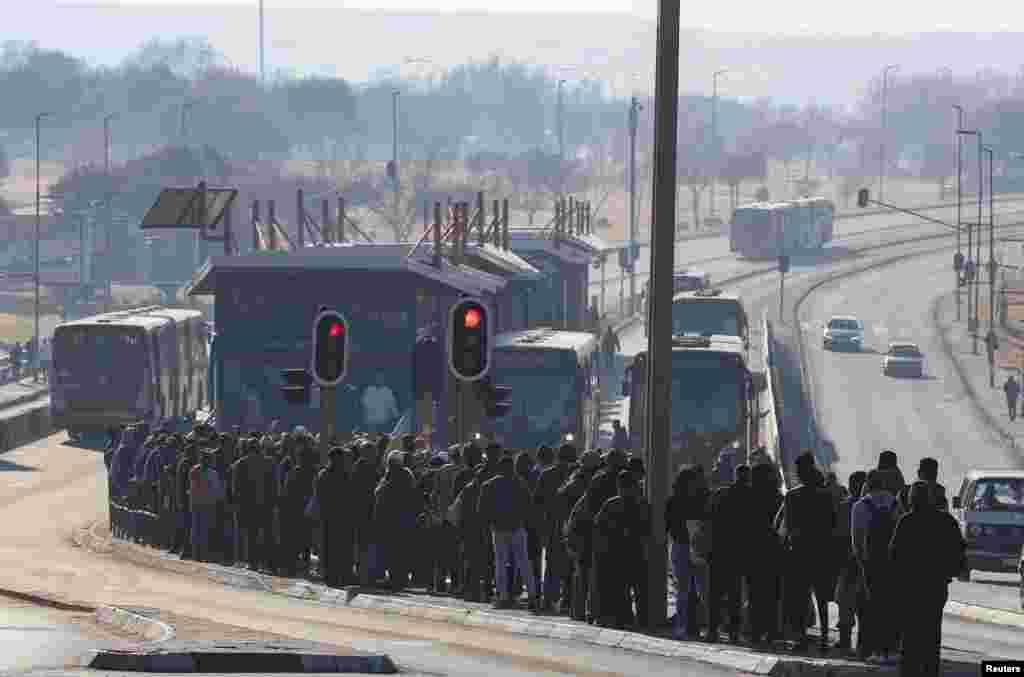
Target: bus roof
{"x": 545, "y": 338}
{"x": 787, "y": 204}
{"x": 705, "y": 295}
{"x": 720, "y": 344}
{"x": 146, "y": 318}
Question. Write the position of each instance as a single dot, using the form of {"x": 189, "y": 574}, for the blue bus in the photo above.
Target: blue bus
{"x": 555, "y": 377}
{"x": 714, "y": 399}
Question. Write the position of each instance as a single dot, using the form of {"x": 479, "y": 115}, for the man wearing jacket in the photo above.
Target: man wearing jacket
{"x": 206, "y": 492}
{"x": 552, "y": 514}
{"x": 504, "y": 501}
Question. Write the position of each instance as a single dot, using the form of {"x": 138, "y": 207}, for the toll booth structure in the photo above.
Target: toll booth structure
{"x": 394, "y": 297}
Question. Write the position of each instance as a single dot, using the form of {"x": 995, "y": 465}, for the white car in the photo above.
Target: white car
{"x": 843, "y": 331}
{"x": 903, "y": 358}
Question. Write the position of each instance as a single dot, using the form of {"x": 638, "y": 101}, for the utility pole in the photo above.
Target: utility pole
{"x": 394, "y": 149}
{"x": 714, "y": 133}
{"x": 108, "y": 225}
{"x": 881, "y": 154}
{"x": 634, "y": 123}
{"x": 35, "y": 353}
{"x": 263, "y": 72}
{"x": 560, "y": 112}
{"x": 972, "y": 322}
{"x": 658, "y": 419}
{"x": 991, "y": 273}
{"x": 959, "y": 200}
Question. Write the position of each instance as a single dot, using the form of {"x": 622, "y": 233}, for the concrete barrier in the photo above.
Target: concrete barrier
{"x": 25, "y": 423}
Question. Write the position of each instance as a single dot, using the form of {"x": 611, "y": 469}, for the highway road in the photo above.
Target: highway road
{"x": 712, "y": 254}
{"x": 863, "y": 413}
{"x": 51, "y": 488}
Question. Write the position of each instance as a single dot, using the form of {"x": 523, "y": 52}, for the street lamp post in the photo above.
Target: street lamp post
{"x": 991, "y": 272}
{"x": 394, "y": 149}
{"x": 108, "y": 257}
{"x": 959, "y": 200}
{"x": 263, "y": 72}
{"x": 973, "y": 320}
{"x": 560, "y": 112}
{"x": 714, "y": 131}
{"x": 634, "y": 123}
{"x": 881, "y": 161}
{"x": 35, "y": 351}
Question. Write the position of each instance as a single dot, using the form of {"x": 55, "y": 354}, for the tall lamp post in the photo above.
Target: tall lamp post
{"x": 714, "y": 131}
{"x": 881, "y": 159}
{"x": 35, "y": 351}
{"x": 559, "y": 114}
{"x": 973, "y": 321}
{"x": 991, "y": 272}
{"x": 394, "y": 149}
{"x": 959, "y": 201}
{"x": 634, "y": 123}
{"x": 108, "y": 257}
{"x": 263, "y": 72}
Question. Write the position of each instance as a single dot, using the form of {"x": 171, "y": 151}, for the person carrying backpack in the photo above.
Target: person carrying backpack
{"x": 872, "y": 525}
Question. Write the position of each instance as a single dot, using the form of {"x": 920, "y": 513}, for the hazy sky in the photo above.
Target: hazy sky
{"x": 863, "y": 17}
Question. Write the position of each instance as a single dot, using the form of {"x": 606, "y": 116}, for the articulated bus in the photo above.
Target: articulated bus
{"x": 714, "y": 399}
{"x": 554, "y": 376}
{"x": 763, "y": 229}
{"x": 119, "y": 368}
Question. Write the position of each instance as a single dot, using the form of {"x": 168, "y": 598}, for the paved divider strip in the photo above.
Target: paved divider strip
{"x": 241, "y": 662}
{"x": 154, "y": 630}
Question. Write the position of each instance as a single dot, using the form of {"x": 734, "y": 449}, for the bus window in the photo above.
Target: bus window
{"x": 707, "y": 395}
{"x": 699, "y": 317}
{"x": 102, "y": 364}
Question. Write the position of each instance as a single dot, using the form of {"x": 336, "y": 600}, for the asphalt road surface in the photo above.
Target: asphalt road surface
{"x": 863, "y": 413}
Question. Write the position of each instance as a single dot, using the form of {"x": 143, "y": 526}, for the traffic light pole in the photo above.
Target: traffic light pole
{"x": 328, "y": 418}
{"x": 657, "y": 422}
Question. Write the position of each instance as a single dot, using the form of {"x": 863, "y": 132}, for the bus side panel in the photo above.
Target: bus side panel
{"x": 159, "y": 390}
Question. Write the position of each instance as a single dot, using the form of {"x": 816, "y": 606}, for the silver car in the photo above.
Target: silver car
{"x": 903, "y": 358}
{"x": 843, "y": 331}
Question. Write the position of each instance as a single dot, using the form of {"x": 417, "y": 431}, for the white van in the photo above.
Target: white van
{"x": 990, "y": 511}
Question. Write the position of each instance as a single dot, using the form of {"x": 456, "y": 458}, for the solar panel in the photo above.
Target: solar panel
{"x": 180, "y": 208}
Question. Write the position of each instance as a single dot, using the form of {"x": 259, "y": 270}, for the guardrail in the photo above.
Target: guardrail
{"x": 771, "y": 425}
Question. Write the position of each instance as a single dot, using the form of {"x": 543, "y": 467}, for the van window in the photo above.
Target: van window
{"x": 999, "y": 494}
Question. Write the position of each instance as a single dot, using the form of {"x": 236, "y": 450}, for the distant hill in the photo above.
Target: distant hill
{"x": 356, "y": 44}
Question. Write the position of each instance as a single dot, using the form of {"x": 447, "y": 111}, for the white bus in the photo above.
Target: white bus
{"x": 114, "y": 369}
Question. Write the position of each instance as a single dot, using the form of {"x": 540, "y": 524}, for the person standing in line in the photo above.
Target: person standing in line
{"x": 926, "y": 550}
{"x": 872, "y": 525}
{"x": 1012, "y": 390}
{"x": 504, "y": 506}
{"x": 206, "y": 492}
{"x": 849, "y": 579}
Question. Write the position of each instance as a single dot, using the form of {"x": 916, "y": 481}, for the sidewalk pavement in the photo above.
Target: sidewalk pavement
{"x": 440, "y": 608}
{"x": 973, "y": 370}
{"x": 20, "y": 392}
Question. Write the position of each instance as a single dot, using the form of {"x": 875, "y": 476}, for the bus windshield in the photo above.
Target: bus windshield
{"x": 700, "y": 316}
{"x": 708, "y": 395}
{"x": 99, "y": 366}
{"x": 545, "y": 401}
{"x": 999, "y": 494}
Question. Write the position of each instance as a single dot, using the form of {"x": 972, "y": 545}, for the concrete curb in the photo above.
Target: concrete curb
{"x": 248, "y": 662}
{"x": 983, "y": 614}
{"x": 43, "y": 599}
{"x": 127, "y": 621}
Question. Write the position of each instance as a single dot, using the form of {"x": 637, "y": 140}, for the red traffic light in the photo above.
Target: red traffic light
{"x": 337, "y": 329}
{"x": 471, "y": 320}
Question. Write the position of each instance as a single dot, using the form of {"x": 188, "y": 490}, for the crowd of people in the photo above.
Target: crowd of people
{"x": 571, "y": 530}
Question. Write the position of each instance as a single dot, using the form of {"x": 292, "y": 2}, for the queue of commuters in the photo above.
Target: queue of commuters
{"x": 570, "y": 530}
